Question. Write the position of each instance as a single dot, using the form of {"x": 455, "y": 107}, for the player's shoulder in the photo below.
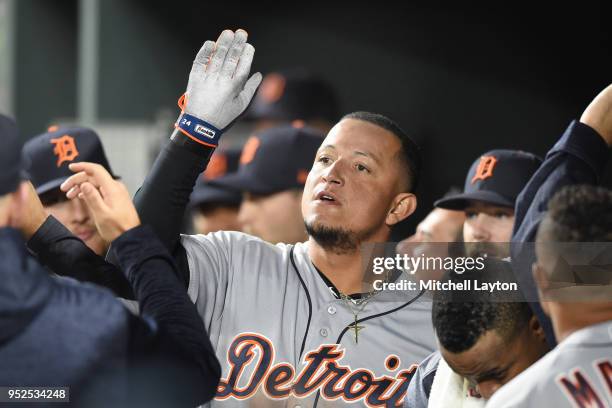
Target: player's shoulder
{"x": 429, "y": 366}
{"x": 227, "y": 239}
{"x": 233, "y": 241}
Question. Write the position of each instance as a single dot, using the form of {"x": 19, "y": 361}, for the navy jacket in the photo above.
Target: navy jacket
{"x": 57, "y": 332}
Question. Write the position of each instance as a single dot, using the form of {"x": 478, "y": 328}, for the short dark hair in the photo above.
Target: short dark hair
{"x": 580, "y": 213}
{"x": 411, "y": 154}
{"x": 461, "y": 318}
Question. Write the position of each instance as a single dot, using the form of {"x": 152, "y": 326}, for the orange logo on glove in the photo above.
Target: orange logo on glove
{"x": 65, "y": 149}
{"x": 485, "y": 168}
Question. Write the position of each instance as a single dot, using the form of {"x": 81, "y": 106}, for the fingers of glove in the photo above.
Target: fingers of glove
{"x": 224, "y": 42}
{"x": 249, "y": 90}
{"x": 234, "y": 54}
{"x": 203, "y": 57}
{"x": 244, "y": 65}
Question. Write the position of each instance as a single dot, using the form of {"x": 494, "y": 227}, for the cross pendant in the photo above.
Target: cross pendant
{"x": 356, "y": 328}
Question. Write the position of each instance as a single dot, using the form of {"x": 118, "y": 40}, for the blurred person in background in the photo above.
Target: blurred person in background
{"x": 440, "y": 225}
{"x": 273, "y": 168}
{"x": 59, "y": 333}
{"x": 492, "y": 186}
{"x": 47, "y": 157}
{"x": 215, "y": 208}
{"x": 438, "y": 235}
{"x": 294, "y": 96}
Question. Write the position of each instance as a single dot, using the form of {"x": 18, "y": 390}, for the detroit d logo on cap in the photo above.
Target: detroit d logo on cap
{"x": 485, "y": 168}
{"x": 65, "y": 149}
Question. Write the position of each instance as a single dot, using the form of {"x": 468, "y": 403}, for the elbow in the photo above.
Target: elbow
{"x": 213, "y": 376}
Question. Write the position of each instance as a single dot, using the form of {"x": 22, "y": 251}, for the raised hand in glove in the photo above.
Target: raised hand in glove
{"x": 219, "y": 87}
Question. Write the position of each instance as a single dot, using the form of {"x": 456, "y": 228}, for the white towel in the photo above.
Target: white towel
{"x": 450, "y": 390}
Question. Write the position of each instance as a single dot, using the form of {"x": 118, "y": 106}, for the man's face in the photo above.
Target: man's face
{"x": 274, "y": 218}
{"x": 493, "y": 361}
{"x": 215, "y": 218}
{"x": 490, "y": 225}
{"x": 75, "y": 216}
{"x": 354, "y": 180}
{"x": 440, "y": 225}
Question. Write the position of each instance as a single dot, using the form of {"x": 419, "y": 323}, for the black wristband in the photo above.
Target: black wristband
{"x": 180, "y": 139}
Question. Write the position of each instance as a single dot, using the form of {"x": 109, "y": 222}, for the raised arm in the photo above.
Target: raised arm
{"x": 578, "y": 157}
{"x": 218, "y": 91}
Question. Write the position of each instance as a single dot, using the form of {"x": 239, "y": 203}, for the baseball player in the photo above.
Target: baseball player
{"x": 579, "y": 156}
{"x": 578, "y": 372}
{"x": 472, "y": 327}
{"x": 492, "y": 185}
{"x": 60, "y": 333}
{"x": 47, "y": 157}
{"x": 294, "y": 323}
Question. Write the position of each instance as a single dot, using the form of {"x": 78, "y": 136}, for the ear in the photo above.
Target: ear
{"x": 536, "y": 328}
{"x": 402, "y": 206}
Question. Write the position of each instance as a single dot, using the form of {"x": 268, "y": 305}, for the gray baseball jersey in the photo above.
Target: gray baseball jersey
{"x": 283, "y": 337}
{"x": 577, "y": 373}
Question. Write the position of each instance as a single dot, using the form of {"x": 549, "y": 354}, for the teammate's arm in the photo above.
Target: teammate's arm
{"x": 64, "y": 253}
{"x": 578, "y": 157}
{"x": 177, "y": 340}
{"x": 218, "y": 91}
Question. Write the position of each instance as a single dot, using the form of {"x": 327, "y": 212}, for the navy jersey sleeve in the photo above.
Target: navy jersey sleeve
{"x": 578, "y": 157}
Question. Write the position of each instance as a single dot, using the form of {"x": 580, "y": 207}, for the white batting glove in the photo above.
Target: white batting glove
{"x": 218, "y": 90}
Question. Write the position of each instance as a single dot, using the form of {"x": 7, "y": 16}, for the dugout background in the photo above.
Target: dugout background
{"x": 462, "y": 79}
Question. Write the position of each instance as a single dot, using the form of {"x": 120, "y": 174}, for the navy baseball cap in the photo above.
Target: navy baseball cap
{"x": 497, "y": 178}
{"x": 294, "y": 95}
{"x": 276, "y": 160}
{"x": 48, "y": 155}
{"x": 221, "y": 163}
{"x": 10, "y": 156}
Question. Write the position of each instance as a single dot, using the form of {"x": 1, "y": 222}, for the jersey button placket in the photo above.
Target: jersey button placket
{"x": 331, "y": 310}
{"x": 323, "y": 332}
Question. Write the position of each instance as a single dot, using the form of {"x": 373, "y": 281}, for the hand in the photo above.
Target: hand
{"x": 218, "y": 90}
{"x": 30, "y": 214}
{"x": 598, "y": 114}
{"x": 108, "y": 200}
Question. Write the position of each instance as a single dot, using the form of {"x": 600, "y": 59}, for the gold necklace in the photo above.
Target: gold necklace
{"x": 361, "y": 304}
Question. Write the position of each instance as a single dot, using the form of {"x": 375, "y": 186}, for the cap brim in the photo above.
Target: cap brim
{"x": 462, "y": 201}
{"x": 50, "y": 185}
{"x": 243, "y": 182}
{"x": 214, "y": 195}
